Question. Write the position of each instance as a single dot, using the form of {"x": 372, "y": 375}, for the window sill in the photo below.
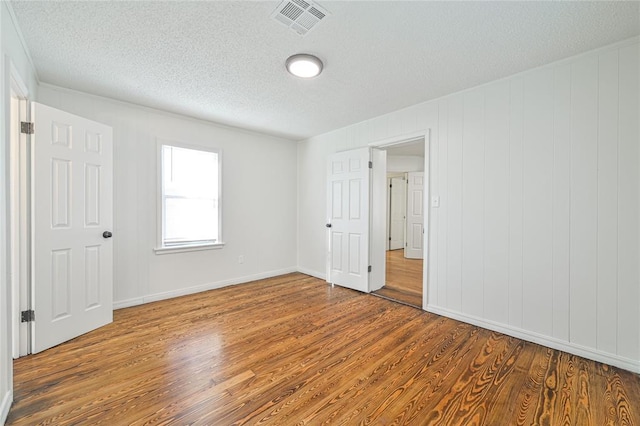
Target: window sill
{"x": 186, "y": 248}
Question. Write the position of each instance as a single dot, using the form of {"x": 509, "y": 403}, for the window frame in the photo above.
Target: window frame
{"x": 187, "y": 247}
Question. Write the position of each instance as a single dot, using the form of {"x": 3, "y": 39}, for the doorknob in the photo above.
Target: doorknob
{"x": 328, "y": 225}
{"x": 107, "y": 234}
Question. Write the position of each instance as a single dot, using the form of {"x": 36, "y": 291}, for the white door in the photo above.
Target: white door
{"x": 415, "y": 215}
{"x": 397, "y": 210}
{"x": 348, "y": 180}
{"x": 72, "y": 219}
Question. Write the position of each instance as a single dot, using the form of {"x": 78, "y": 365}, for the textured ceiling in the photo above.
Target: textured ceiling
{"x": 224, "y": 61}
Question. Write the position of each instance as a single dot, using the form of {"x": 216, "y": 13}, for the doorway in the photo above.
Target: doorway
{"x": 61, "y": 192}
{"x": 405, "y": 218}
{"x": 19, "y": 211}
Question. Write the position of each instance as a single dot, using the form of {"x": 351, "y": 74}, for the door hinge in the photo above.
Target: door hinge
{"x": 26, "y": 127}
{"x": 371, "y": 164}
{"x": 28, "y": 316}
{"x": 369, "y": 269}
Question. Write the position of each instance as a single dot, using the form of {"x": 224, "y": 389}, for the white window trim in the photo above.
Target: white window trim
{"x": 160, "y": 248}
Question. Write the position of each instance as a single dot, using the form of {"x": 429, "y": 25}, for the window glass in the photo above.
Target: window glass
{"x": 190, "y": 196}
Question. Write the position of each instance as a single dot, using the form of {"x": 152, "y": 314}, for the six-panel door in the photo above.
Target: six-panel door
{"x": 72, "y": 208}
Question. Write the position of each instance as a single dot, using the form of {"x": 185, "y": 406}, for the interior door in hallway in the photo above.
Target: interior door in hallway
{"x": 397, "y": 212}
{"x": 415, "y": 216}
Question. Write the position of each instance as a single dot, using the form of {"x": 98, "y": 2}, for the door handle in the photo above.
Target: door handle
{"x": 328, "y": 225}
{"x": 107, "y": 234}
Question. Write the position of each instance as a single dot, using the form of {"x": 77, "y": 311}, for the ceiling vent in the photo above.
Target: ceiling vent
{"x": 299, "y": 15}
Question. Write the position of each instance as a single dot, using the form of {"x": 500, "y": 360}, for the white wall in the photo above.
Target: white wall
{"x": 404, "y": 163}
{"x": 258, "y": 200}
{"x": 538, "y": 227}
{"x": 13, "y": 54}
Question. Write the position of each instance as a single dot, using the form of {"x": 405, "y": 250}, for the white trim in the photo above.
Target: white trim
{"x": 18, "y": 243}
{"x": 23, "y": 43}
{"x": 186, "y": 248}
{"x": 16, "y": 81}
{"x": 7, "y": 400}
{"x": 311, "y": 273}
{"x": 561, "y": 345}
{"x": 401, "y": 139}
{"x": 200, "y": 288}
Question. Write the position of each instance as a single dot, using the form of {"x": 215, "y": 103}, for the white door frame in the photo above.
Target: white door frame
{"x": 400, "y": 140}
{"x": 19, "y": 207}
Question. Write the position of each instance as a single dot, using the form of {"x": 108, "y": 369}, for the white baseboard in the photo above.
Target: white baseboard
{"x": 197, "y": 289}
{"x": 551, "y": 342}
{"x": 7, "y": 400}
{"x": 306, "y": 271}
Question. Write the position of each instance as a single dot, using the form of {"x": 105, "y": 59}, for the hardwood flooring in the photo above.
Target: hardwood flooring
{"x": 403, "y": 279}
{"x": 293, "y": 350}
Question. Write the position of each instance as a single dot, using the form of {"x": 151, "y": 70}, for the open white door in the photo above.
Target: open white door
{"x": 348, "y": 179}
{"x": 415, "y": 215}
{"x": 72, "y": 199}
{"x": 397, "y": 212}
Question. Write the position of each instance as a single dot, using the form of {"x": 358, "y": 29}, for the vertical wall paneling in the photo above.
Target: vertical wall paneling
{"x": 607, "y": 236}
{"x": 442, "y": 211}
{"x": 454, "y": 204}
{"x": 515, "y": 201}
{"x": 628, "y": 210}
{"x": 473, "y": 204}
{"x": 537, "y": 153}
{"x": 561, "y": 200}
{"x": 584, "y": 200}
{"x": 496, "y": 210}
{"x": 537, "y": 231}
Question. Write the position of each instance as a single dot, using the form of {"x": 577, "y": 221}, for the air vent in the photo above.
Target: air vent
{"x": 299, "y": 15}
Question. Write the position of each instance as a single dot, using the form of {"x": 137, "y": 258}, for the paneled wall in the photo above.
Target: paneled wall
{"x": 538, "y": 226}
{"x": 258, "y": 200}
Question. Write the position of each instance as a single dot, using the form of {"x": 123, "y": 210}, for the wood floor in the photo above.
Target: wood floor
{"x": 404, "y": 279}
{"x": 293, "y": 350}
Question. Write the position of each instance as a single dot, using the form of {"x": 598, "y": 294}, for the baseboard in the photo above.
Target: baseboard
{"x": 200, "y": 288}
{"x": 306, "y": 271}
{"x": 7, "y": 400}
{"x": 551, "y": 342}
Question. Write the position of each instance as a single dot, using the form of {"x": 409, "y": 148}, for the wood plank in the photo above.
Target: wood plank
{"x": 496, "y": 203}
{"x": 628, "y": 340}
{"x": 454, "y": 203}
{"x": 607, "y": 235}
{"x": 473, "y": 204}
{"x": 403, "y": 279}
{"x": 561, "y": 199}
{"x": 584, "y": 204}
{"x": 292, "y": 349}
{"x": 515, "y": 201}
{"x": 537, "y": 190}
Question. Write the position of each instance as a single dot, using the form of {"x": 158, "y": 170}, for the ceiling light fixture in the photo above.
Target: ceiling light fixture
{"x": 304, "y": 66}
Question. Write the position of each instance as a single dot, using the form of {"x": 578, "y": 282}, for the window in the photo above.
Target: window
{"x": 190, "y": 198}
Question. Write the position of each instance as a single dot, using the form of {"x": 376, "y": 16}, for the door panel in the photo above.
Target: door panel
{"x": 415, "y": 216}
{"x": 398, "y": 206}
{"x": 72, "y": 207}
{"x": 348, "y": 215}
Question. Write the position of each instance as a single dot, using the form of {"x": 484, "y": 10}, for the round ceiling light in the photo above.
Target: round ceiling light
{"x": 304, "y": 66}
